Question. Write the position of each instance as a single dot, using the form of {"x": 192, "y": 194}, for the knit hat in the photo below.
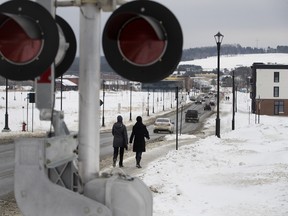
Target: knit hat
{"x": 139, "y": 119}
{"x": 119, "y": 118}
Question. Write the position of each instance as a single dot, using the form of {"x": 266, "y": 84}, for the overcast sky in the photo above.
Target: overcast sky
{"x": 255, "y": 23}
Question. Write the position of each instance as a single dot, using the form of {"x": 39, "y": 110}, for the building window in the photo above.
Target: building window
{"x": 276, "y": 77}
{"x": 278, "y": 107}
{"x": 276, "y": 91}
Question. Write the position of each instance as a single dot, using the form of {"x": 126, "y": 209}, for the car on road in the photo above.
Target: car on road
{"x": 212, "y": 103}
{"x": 163, "y": 124}
{"x": 192, "y": 116}
{"x": 198, "y": 101}
{"x": 207, "y": 107}
{"x": 192, "y": 98}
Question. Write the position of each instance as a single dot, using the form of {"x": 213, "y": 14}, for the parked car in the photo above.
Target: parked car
{"x": 191, "y": 116}
{"x": 207, "y": 107}
{"x": 163, "y": 124}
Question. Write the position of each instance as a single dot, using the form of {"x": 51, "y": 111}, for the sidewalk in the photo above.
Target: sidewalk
{"x": 154, "y": 151}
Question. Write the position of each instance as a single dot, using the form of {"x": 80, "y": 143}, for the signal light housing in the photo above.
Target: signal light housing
{"x": 142, "y": 41}
{"x": 65, "y": 55}
{"x": 29, "y": 39}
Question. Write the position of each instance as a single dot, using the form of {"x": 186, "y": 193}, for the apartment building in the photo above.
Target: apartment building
{"x": 269, "y": 89}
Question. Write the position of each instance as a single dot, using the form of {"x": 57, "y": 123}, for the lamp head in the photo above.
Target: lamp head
{"x": 218, "y": 38}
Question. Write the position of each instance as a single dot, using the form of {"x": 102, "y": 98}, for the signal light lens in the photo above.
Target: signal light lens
{"x": 15, "y": 45}
{"x": 139, "y": 43}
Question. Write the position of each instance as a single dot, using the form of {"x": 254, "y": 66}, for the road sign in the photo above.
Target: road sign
{"x": 31, "y": 97}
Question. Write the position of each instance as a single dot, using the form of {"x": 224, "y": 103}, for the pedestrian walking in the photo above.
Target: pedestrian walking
{"x": 139, "y": 133}
{"x": 120, "y": 140}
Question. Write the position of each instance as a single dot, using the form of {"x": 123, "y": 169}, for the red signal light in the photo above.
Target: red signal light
{"x": 142, "y": 41}
{"x": 29, "y": 39}
{"x": 15, "y": 45}
{"x": 139, "y": 42}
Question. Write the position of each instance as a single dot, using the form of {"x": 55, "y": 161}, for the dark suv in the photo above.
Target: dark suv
{"x": 191, "y": 116}
{"x": 207, "y": 107}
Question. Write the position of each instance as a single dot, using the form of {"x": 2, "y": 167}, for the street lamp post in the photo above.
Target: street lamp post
{"x": 103, "y": 117}
{"x": 130, "y": 118}
{"x": 171, "y": 100}
{"x": 218, "y": 38}
{"x": 163, "y": 98}
{"x": 148, "y": 103}
{"x": 61, "y": 92}
{"x": 6, "y": 127}
{"x": 153, "y": 101}
{"x": 181, "y": 118}
{"x": 176, "y": 98}
{"x": 233, "y": 102}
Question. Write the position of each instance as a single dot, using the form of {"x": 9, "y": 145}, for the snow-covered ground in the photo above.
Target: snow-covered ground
{"x": 244, "y": 173}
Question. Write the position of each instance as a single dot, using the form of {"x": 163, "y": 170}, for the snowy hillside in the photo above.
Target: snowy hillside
{"x": 233, "y": 61}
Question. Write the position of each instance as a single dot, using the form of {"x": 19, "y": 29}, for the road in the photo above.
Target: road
{"x": 6, "y": 168}
{"x": 7, "y": 150}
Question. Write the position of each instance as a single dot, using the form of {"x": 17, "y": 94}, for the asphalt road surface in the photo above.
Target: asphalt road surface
{"x": 6, "y": 168}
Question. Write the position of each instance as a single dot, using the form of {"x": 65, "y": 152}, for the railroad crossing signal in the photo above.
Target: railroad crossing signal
{"x": 66, "y": 55}
{"x": 142, "y": 41}
{"x": 29, "y": 41}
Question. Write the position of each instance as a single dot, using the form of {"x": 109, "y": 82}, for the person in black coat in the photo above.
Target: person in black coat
{"x": 120, "y": 140}
{"x": 139, "y": 132}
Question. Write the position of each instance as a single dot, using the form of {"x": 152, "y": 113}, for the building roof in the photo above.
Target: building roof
{"x": 66, "y": 82}
{"x": 259, "y": 65}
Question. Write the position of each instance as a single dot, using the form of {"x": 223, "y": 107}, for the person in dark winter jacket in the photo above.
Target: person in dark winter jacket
{"x": 120, "y": 140}
{"x": 139, "y": 133}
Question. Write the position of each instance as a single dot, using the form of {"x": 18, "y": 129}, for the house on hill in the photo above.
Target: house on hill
{"x": 66, "y": 84}
{"x": 72, "y": 78}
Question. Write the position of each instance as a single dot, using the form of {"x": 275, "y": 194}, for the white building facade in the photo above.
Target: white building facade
{"x": 269, "y": 89}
